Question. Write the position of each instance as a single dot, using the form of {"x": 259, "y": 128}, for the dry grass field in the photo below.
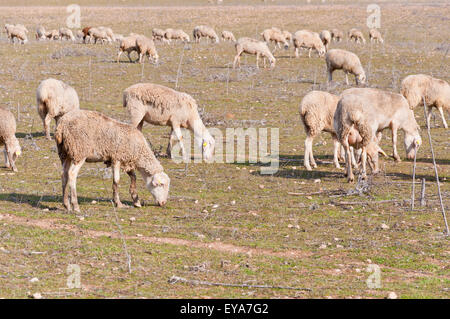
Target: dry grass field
{"x": 224, "y": 223}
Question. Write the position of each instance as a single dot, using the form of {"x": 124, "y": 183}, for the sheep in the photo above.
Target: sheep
{"x": 206, "y": 32}
{"x": 52, "y": 35}
{"x": 99, "y": 34}
{"x": 275, "y": 35}
{"x": 16, "y": 32}
{"x": 88, "y": 136}
{"x": 158, "y": 34}
{"x": 287, "y": 35}
{"x": 8, "y": 138}
{"x": 228, "y": 36}
{"x": 325, "y": 36}
{"x": 176, "y": 34}
{"x": 40, "y": 33}
{"x": 375, "y": 35}
{"x": 128, "y": 45}
{"x": 145, "y": 46}
{"x": 160, "y": 105}
{"x": 370, "y": 111}
{"x": 337, "y": 59}
{"x": 435, "y": 91}
{"x": 317, "y": 110}
{"x": 337, "y": 35}
{"x": 118, "y": 37}
{"x": 309, "y": 40}
{"x": 54, "y": 99}
{"x": 86, "y": 37}
{"x": 109, "y": 33}
{"x": 67, "y": 34}
{"x": 255, "y": 47}
{"x": 356, "y": 35}
{"x": 22, "y": 27}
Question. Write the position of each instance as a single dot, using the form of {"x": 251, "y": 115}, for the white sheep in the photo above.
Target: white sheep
{"x": 160, "y": 105}
{"x": 65, "y": 33}
{"x": 375, "y": 35}
{"x": 145, "y": 46}
{"x": 254, "y": 47}
{"x": 54, "y": 99}
{"x": 305, "y": 39}
{"x": 275, "y": 35}
{"x": 16, "y": 32}
{"x": 52, "y": 35}
{"x": 325, "y": 36}
{"x": 370, "y": 111}
{"x": 99, "y": 34}
{"x": 40, "y": 33}
{"x": 337, "y": 35}
{"x": 176, "y": 34}
{"x": 228, "y": 36}
{"x": 128, "y": 45}
{"x": 203, "y": 31}
{"x": 8, "y": 138}
{"x": 87, "y": 136}
{"x": 337, "y": 59}
{"x": 158, "y": 34}
{"x": 356, "y": 35}
{"x": 435, "y": 91}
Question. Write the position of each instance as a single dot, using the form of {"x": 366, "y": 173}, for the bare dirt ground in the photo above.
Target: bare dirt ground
{"x": 224, "y": 223}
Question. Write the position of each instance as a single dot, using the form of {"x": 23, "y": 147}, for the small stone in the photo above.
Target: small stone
{"x": 196, "y": 201}
{"x": 45, "y": 210}
{"x": 34, "y": 279}
{"x": 323, "y": 246}
{"x": 369, "y": 260}
{"x": 81, "y": 218}
{"x": 215, "y": 206}
{"x": 336, "y": 239}
{"x": 233, "y": 202}
{"x": 317, "y": 180}
{"x": 132, "y": 219}
{"x": 139, "y": 235}
{"x": 290, "y": 225}
{"x": 294, "y": 167}
{"x": 261, "y": 186}
{"x": 339, "y": 246}
{"x": 36, "y": 295}
{"x": 205, "y": 211}
{"x": 5, "y": 251}
{"x": 391, "y": 295}
{"x": 94, "y": 202}
{"x": 384, "y": 226}
{"x": 358, "y": 270}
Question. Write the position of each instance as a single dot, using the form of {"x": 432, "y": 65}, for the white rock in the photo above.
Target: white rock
{"x": 34, "y": 279}
{"x": 392, "y": 295}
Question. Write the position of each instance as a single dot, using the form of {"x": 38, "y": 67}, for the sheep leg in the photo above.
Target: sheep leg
{"x": 179, "y": 137}
{"x": 394, "y": 143}
{"x": 341, "y": 153}
{"x": 330, "y": 75}
{"x": 348, "y": 164}
{"x": 237, "y": 59}
{"x": 47, "y": 121}
{"x": 118, "y": 56}
{"x": 336, "y": 147}
{"x": 171, "y": 143}
{"x": 364, "y": 161}
{"x": 346, "y": 77}
{"x": 64, "y": 179}
{"x": 296, "y": 52}
{"x": 257, "y": 60}
{"x": 308, "y": 149}
{"x": 116, "y": 179}
{"x": 10, "y": 159}
{"x": 72, "y": 180}
{"x": 355, "y": 162}
{"x": 7, "y": 163}
{"x": 133, "y": 191}
{"x": 441, "y": 111}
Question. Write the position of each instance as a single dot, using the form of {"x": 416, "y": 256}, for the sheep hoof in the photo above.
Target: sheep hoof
{"x": 308, "y": 168}
{"x": 351, "y": 179}
{"x": 397, "y": 159}
{"x": 137, "y": 204}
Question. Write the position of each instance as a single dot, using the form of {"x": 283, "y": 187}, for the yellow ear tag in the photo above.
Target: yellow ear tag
{"x": 18, "y": 153}
{"x": 204, "y": 144}
{"x": 418, "y": 142}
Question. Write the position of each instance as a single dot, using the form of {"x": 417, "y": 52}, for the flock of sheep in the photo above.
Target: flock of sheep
{"x": 355, "y": 118}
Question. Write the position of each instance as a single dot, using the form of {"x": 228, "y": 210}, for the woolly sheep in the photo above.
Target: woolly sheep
{"x": 435, "y": 91}
{"x": 8, "y": 138}
{"x": 275, "y": 35}
{"x": 337, "y": 35}
{"x": 40, "y": 33}
{"x": 287, "y": 35}
{"x": 54, "y": 99}
{"x": 109, "y": 33}
{"x": 308, "y": 40}
{"x": 203, "y": 31}
{"x": 16, "y": 32}
{"x": 88, "y": 136}
{"x": 158, "y": 34}
{"x": 375, "y": 35}
{"x": 228, "y": 36}
{"x": 145, "y": 46}
{"x": 160, "y": 105}
{"x": 52, "y": 35}
{"x": 176, "y": 34}
{"x": 255, "y": 47}
{"x": 325, "y": 36}
{"x": 337, "y": 59}
{"x": 99, "y": 34}
{"x": 67, "y": 34}
{"x": 370, "y": 111}
{"x": 128, "y": 45}
{"x": 356, "y": 35}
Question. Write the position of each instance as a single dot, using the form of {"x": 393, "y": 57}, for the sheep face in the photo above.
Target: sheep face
{"x": 208, "y": 146}
{"x": 372, "y": 156}
{"x": 159, "y": 185}
{"x": 361, "y": 79}
{"x": 412, "y": 143}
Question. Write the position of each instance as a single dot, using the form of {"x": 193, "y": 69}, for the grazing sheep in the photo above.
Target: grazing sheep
{"x": 86, "y": 37}
{"x": 255, "y": 47}
{"x": 54, "y": 99}
{"x": 435, "y": 91}
{"x": 176, "y": 34}
{"x": 128, "y": 45}
{"x": 356, "y": 35}
{"x": 375, "y": 35}
{"x": 109, "y": 33}
{"x": 347, "y": 61}
{"x": 8, "y": 138}
{"x": 99, "y": 34}
{"x": 67, "y": 34}
{"x": 325, "y": 36}
{"x": 158, "y": 34}
{"x": 337, "y": 35}
{"x": 160, "y": 105}
{"x": 16, "y": 32}
{"x": 228, "y": 36}
{"x": 203, "y": 31}
{"x": 308, "y": 40}
{"x": 145, "y": 46}
{"x": 52, "y": 35}
{"x": 87, "y": 136}
{"x": 287, "y": 35}
{"x": 275, "y": 35}
{"x": 370, "y": 111}
{"x": 40, "y": 33}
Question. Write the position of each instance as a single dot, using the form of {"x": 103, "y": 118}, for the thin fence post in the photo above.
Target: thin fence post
{"x": 422, "y": 194}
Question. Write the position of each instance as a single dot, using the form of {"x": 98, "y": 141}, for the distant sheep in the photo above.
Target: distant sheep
{"x": 287, "y": 35}
{"x": 67, "y": 34}
{"x": 52, "y": 35}
{"x": 254, "y": 47}
{"x": 128, "y": 45}
{"x": 305, "y": 39}
{"x": 176, "y": 34}
{"x": 18, "y": 32}
{"x": 54, "y": 99}
{"x": 40, "y": 33}
{"x": 356, "y": 35}
{"x": 87, "y": 136}
{"x": 228, "y": 36}
{"x": 99, "y": 34}
{"x": 160, "y": 105}
{"x": 325, "y": 36}
{"x": 337, "y": 35}
{"x": 8, "y": 138}
{"x": 435, "y": 91}
{"x": 203, "y": 31}
{"x": 275, "y": 35}
{"x": 337, "y": 59}
{"x": 145, "y": 46}
{"x": 375, "y": 35}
